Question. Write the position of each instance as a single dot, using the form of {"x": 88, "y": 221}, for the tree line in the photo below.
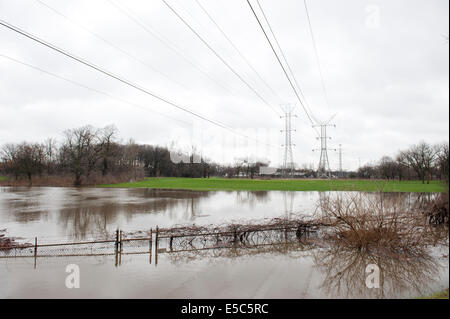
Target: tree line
{"x": 89, "y": 155}
{"x": 422, "y": 161}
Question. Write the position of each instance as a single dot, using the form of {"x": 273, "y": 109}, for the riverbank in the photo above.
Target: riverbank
{"x": 67, "y": 180}
{"x": 283, "y": 185}
{"x": 439, "y": 295}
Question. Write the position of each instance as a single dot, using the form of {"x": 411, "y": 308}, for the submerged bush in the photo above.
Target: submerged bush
{"x": 375, "y": 221}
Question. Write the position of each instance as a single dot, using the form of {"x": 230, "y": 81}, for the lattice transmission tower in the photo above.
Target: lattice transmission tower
{"x": 323, "y": 169}
{"x": 288, "y": 161}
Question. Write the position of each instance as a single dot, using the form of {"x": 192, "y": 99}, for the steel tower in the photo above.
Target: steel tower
{"x": 323, "y": 169}
{"x": 288, "y": 162}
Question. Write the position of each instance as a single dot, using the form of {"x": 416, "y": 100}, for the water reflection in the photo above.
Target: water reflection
{"x": 91, "y": 212}
{"x": 302, "y": 263}
{"x": 345, "y": 272}
{"x": 84, "y": 218}
{"x": 342, "y": 270}
{"x": 252, "y": 198}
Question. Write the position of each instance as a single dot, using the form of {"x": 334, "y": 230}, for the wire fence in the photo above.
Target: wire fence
{"x": 169, "y": 240}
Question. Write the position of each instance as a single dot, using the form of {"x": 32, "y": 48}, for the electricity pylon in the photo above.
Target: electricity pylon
{"x": 323, "y": 169}
{"x": 341, "y": 173}
{"x": 288, "y": 163}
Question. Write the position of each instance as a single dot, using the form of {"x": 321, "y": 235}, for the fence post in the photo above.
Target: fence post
{"x": 150, "y": 240}
{"x": 156, "y": 245}
{"x": 117, "y": 237}
{"x": 35, "y": 246}
{"x": 156, "y": 238}
{"x": 150, "y": 245}
{"x": 120, "y": 240}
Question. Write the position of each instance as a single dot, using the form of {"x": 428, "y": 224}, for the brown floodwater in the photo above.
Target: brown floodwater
{"x": 290, "y": 270}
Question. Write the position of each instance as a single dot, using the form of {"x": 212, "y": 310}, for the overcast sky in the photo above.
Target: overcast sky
{"x": 384, "y": 65}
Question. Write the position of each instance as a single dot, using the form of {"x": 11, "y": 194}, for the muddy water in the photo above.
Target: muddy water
{"x": 292, "y": 271}
{"x": 81, "y": 213}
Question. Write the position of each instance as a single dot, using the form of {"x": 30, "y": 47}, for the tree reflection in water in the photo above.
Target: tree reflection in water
{"x": 345, "y": 274}
{"x": 90, "y": 219}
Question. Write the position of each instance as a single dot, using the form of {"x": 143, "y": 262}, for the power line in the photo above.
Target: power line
{"x": 207, "y": 34}
{"x": 116, "y": 77}
{"x": 282, "y": 52}
{"x": 316, "y": 53}
{"x": 219, "y": 57}
{"x": 170, "y": 45}
{"x": 88, "y": 87}
{"x": 237, "y": 49}
{"x": 279, "y": 61}
{"x": 305, "y": 104}
{"x": 110, "y": 43}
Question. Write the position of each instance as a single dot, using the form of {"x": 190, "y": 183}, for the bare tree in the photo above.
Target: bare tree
{"x": 24, "y": 159}
{"x": 9, "y": 158}
{"x": 402, "y": 169}
{"x": 81, "y": 151}
{"x": 387, "y": 167}
{"x": 51, "y": 152}
{"x": 107, "y": 137}
{"x": 442, "y": 160}
{"x": 421, "y": 158}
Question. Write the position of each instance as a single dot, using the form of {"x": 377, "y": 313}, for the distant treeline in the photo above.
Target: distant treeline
{"x": 420, "y": 162}
{"x": 89, "y": 155}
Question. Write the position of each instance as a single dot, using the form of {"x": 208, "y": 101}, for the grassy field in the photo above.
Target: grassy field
{"x": 440, "y": 295}
{"x": 283, "y": 185}
{"x": 3, "y": 178}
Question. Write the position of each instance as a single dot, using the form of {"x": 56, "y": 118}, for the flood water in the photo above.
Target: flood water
{"x": 288, "y": 271}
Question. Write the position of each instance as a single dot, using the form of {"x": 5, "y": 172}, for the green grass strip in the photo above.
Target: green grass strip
{"x": 284, "y": 185}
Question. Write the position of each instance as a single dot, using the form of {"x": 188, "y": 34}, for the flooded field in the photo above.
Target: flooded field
{"x": 289, "y": 268}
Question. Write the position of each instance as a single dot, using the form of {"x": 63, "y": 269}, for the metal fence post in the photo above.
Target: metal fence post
{"x": 156, "y": 245}
{"x": 117, "y": 239}
{"x": 120, "y": 240}
{"x": 150, "y": 245}
{"x": 35, "y": 246}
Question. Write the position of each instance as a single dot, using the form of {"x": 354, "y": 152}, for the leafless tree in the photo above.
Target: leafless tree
{"x": 81, "y": 151}
{"x": 387, "y": 167}
{"x": 24, "y": 159}
{"x": 51, "y": 152}
{"x": 421, "y": 158}
{"x": 109, "y": 147}
{"x": 442, "y": 160}
{"x": 9, "y": 157}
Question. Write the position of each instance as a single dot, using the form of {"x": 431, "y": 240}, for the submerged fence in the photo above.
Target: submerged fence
{"x": 170, "y": 240}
